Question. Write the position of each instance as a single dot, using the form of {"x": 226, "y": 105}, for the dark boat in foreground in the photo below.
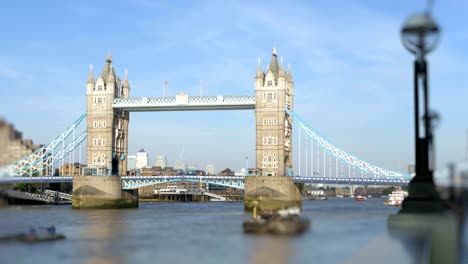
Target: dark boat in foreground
{"x": 42, "y": 235}
{"x": 32, "y": 238}
{"x": 284, "y": 222}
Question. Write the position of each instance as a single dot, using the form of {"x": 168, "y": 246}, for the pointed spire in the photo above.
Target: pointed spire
{"x": 111, "y": 74}
{"x": 109, "y": 58}
{"x": 126, "y": 83}
{"x": 91, "y": 75}
{"x": 281, "y": 72}
{"x": 259, "y": 70}
{"x": 273, "y": 67}
{"x": 289, "y": 71}
{"x": 107, "y": 70}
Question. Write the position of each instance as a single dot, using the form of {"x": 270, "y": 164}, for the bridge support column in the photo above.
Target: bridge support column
{"x": 102, "y": 192}
{"x": 271, "y": 193}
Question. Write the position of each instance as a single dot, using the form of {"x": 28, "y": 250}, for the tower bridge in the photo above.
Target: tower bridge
{"x": 108, "y": 108}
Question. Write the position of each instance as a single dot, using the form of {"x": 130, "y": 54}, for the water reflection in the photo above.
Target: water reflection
{"x": 272, "y": 249}
{"x": 102, "y": 236}
{"x": 428, "y": 238}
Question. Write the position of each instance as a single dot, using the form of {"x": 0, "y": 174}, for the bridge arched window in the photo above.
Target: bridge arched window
{"x": 270, "y": 83}
{"x": 99, "y": 87}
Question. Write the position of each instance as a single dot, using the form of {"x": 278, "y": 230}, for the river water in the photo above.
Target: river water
{"x": 342, "y": 231}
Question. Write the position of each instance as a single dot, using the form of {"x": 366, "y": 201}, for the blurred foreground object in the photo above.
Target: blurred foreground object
{"x": 279, "y": 222}
{"x": 420, "y": 35}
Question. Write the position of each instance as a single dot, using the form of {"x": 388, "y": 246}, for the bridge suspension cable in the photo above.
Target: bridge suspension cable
{"x": 45, "y": 157}
{"x": 339, "y": 154}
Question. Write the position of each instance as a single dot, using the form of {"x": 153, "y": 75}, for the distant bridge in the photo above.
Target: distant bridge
{"x": 134, "y": 182}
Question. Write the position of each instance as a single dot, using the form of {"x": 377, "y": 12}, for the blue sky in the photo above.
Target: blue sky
{"x": 353, "y": 79}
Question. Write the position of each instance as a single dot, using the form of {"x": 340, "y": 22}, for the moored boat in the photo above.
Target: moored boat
{"x": 40, "y": 235}
{"x": 360, "y": 198}
{"x": 396, "y": 198}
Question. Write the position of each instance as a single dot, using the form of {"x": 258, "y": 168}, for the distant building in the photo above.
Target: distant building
{"x": 411, "y": 169}
{"x": 227, "y": 172}
{"x": 141, "y": 159}
{"x": 210, "y": 170}
{"x": 240, "y": 173}
{"x": 179, "y": 165}
{"x": 12, "y": 145}
{"x": 131, "y": 163}
{"x": 191, "y": 167}
{"x": 69, "y": 169}
{"x": 160, "y": 161}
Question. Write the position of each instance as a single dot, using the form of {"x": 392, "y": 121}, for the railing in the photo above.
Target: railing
{"x": 59, "y": 195}
{"x": 219, "y": 197}
{"x": 50, "y": 197}
{"x": 185, "y": 102}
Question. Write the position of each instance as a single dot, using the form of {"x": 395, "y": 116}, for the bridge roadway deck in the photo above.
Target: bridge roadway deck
{"x": 185, "y": 103}
{"x": 132, "y": 182}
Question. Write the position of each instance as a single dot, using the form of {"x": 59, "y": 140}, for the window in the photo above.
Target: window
{"x": 99, "y": 124}
{"x": 269, "y": 140}
{"x": 264, "y": 121}
{"x": 99, "y": 87}
{"x": 269, "y": 83}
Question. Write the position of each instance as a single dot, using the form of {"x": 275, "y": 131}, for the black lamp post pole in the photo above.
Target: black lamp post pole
{"x": 423, "y": 145}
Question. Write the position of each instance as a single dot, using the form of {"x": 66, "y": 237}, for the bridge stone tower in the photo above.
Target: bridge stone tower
{"x": 107, "y": 143}
{"x": 273, "y": 92}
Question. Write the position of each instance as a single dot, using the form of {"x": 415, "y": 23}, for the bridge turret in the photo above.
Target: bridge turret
{"x": 107, "y": 127}
{"x": 273, "y": 128}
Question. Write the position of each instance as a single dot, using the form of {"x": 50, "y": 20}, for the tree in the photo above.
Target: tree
{"x": 388, "y": 190}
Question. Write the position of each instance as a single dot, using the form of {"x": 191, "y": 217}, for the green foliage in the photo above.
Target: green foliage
{"x": 27, "y": 187}
{"x": 388, "y": 190}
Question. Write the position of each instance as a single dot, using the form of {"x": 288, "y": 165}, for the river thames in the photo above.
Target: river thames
{"x": 342, "y": 231}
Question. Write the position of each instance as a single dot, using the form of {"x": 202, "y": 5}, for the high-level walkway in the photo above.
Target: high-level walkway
{"x": 185, "y": 103}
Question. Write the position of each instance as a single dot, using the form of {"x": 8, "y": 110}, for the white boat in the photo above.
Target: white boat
{"x": 339, "y": 196}
{"x": 171, "y": 189}
{"x": 360, "y": 198}
{"x": 396, "y": 197}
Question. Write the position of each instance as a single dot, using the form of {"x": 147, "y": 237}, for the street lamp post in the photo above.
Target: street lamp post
{"x": 420, "y": 35}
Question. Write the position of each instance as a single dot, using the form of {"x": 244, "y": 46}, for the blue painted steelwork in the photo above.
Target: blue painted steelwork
{"x": 342, "y": 155}
{"x": 134, "y": 182}
{"x": 47, "y": 155}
